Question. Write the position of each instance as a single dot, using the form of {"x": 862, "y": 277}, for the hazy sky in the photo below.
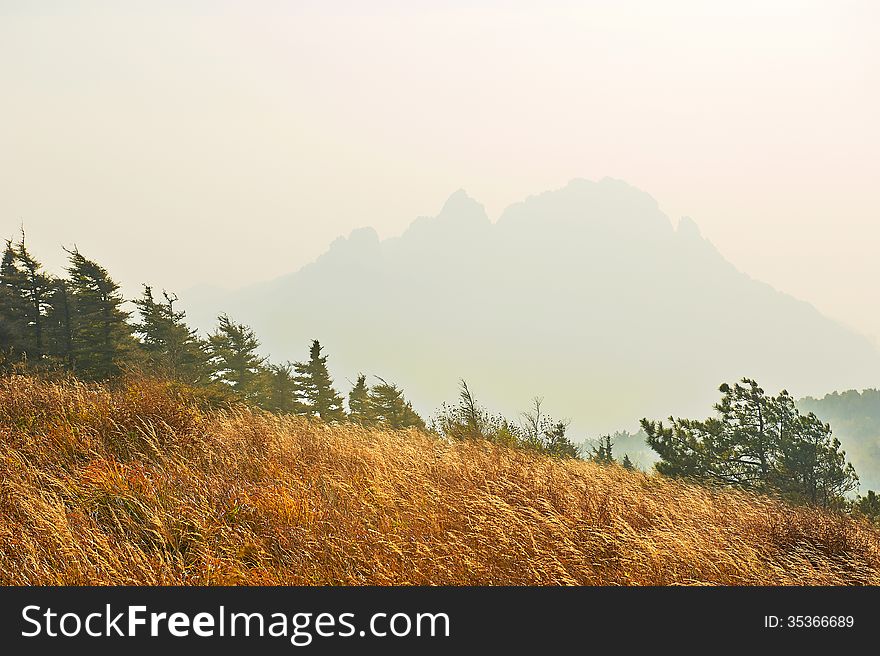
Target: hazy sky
{"x": 228, "y": 142}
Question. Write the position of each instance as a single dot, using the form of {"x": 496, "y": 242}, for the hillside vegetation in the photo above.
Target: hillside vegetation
{"x": 144, "y": 483}
{"x": 855, "y": 416}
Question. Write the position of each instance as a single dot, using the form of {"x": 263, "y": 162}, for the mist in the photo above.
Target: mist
{"x": 234, "y": 142}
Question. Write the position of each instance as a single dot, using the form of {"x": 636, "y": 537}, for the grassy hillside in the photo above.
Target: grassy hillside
{"x": 141, "y": 484}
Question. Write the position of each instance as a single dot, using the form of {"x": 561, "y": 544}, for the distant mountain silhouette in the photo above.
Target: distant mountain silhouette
{"x": 585, "y": 295}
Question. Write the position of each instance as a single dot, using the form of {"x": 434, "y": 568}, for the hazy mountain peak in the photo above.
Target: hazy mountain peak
{"x": 361, "y": 243}
{"x": 460, "y": 212}
{"x": 460, "y": 203}
{"x": 461, "y": 209}
{"x": 585, "y": 294}
{"x": 608, "y": 189}
{"x": 589, "y": 210}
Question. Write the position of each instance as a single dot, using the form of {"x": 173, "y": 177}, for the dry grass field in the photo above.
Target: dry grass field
{"x": 143, "y": 484}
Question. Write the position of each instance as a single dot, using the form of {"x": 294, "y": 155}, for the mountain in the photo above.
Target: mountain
{"x": 586, "y": 295}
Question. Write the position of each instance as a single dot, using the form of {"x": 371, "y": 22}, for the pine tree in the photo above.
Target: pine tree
{"x": 316, "y": 386}
{"x": 233, "y": 348}
{"x": 868, "y": 506}
{"x": 627, "y": 463}
{"x": 12, "y": 307}
{"x": 59, "y": 326}
{"x": 35, "y": 291}
{"x": 557, "y": 444}
{"x": 603, "y": 452}
{"x": 359, "y": 402}
{"x": 388, "y": 406}
{"x": 173, "y": 348}
{"x": 102, "y": 339}
{"x": 811, "y": 466}
{"x": 756, "y": 442}
{"x": 34, "y": 310}
{"x": 283, "y": 390}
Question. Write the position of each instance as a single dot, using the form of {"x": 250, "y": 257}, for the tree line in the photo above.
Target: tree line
{"x": 78, "y": 324}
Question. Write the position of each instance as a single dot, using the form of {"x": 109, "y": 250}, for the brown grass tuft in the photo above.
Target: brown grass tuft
{"x": 142, "y": 484}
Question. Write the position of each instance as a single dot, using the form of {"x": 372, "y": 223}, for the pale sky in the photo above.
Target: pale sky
{"x": 188, "y": 142}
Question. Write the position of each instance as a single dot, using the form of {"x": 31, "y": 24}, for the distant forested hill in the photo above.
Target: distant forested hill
{"x": 855, "y": 418}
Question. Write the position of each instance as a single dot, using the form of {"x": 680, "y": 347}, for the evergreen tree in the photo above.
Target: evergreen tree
{"x": 359, "y": 402}
{"x": 811, "y": 465}
{"x": 12, "y": 307}
{"x": 388, "y": 406}
{"x": 283, "y": 390}
{"x": 627, "y": 463}
{"x": 603, "y": 452}
{"x": 59, "y": 326}
{"x": 173, "y": 348}
{"x": 868, "y": 505}
{"x": 35, "y": 292}
{"x": 233, "y": 349}
{"x": 101, "y": 337}
{"x": 316, "y": 386}
{"x": 756, "y": 442}
{"x": 557, "y": 444}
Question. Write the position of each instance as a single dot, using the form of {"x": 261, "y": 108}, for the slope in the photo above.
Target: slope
{"x": 142, "y": 484}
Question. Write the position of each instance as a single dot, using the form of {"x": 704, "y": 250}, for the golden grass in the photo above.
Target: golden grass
{"x": 139, "y": 485}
